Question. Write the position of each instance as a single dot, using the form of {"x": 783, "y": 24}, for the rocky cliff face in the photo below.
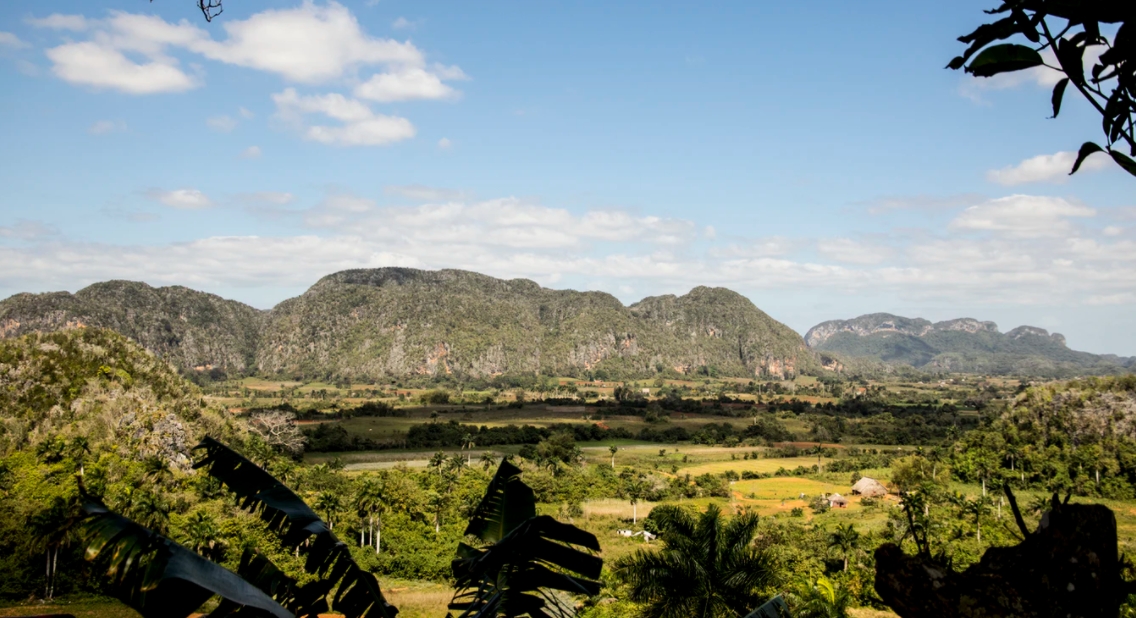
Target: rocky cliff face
{"x": 962, "y": 345}
{"x": 398, "y": 321}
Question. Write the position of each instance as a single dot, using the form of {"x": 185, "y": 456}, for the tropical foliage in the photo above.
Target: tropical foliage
{"x": 708, "y": 566}
{"x": 1069, "y": 33}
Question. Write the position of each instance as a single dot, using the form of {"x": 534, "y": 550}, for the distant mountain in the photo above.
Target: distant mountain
{"x": 190, "y": 329}
{"x": 364, "y": 324}
{"x": 964, "y": 345}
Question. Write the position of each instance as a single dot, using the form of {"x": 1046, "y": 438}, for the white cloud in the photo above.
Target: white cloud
{"x": 99, "y": 66}
{"x": 850, "y": 251}
{"x": 405, "y": 85}
{"x": 222, "y": 123}
{"x": 307, "y": 44}
{"x": 246, "y": 114}
{"x": 57, "y": 21}
{"x": 445, "y": 144}
{"x": 252, "y": 152}
{"x": 1046, "y": 168}
{"x": 1112, "y": 230}
{"x": 1022, "y": 215}
{"x": 403, "y": 23}
{"x": 102, "y": 127}
{"x": 7, "y": 39}
{"x": 312, "y": 43}
{"x": 423, "y": 193}
{"x": 182, "y": 199}
{"x": 360, "y": 126}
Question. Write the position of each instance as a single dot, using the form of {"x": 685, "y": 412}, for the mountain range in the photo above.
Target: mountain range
{"x": 366, "y": 324}
{"x": 393, "y": 322}
{"x": 964, "y": 345}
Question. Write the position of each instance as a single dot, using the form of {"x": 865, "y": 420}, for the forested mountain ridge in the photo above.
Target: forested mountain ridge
{"x": 398, "y": 321}
{"x": 188, "y": 328}
{"x": 962, "y": 345}
{"x": 361, "y": 324}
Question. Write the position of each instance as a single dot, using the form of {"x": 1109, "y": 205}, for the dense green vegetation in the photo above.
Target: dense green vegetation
{"x": 90, "y": 403}
{"x": 373, "y": 324}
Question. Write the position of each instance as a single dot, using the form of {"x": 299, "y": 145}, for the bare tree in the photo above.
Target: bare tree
{"x": 278, "y": 430}
{"x": 209, "y": 8}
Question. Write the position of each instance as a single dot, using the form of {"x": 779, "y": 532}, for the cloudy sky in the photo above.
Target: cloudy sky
{"x": 814, "y": 157}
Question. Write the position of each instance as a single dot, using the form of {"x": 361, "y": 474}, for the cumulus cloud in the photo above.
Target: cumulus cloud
{"x": 252, "y": 152}
{"x": 445, "y": 144}
{"x": 405, "y": 85}
{"x": 182, "y": 199}
{"x": 102, "y": 127}
{"x": 358, "y": 124}
{"x": 310, "y": 44}
{"x": 1023, "y": 216}
{"x": 1011, "y": 263}
{"x": 100, "y": 66}
{"x": 1045, "y": 168}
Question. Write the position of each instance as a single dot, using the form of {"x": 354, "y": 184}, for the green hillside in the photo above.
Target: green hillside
{"x": 367, "y": 324}
{"x": 963, "y": 345}
{"x": 188, "y": 328}
{"x": 398, "y": 321}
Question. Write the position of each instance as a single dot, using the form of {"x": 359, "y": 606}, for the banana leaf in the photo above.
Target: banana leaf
{"x": 159, "y": 578}
{"x": 356, "y": 592}
{"x": 530, "y": 563}
{"x": 507, "y": 503}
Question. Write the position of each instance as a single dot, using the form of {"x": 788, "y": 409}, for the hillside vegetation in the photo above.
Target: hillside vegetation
{"x": 366, "y": 324}
{"x": 959, "y": 346}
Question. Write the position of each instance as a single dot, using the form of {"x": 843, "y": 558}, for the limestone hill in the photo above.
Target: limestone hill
{"x": 963, "y": 345}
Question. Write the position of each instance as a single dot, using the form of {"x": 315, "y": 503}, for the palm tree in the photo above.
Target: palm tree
{"x": 467, "y": 443}
{"x": 845, "y": 540}
{"x": 977, "y": 507}
{"x": 613, "y": 449}
{"x": 487, "y": 461}
{"x": 437, "y": 460}
{"x": 202, "y": 533}
{"x": 707, "y": 567}
{"x": 330, "y": 504}
{"x": 822, "y": 599}
{"x": 369, "y": 504}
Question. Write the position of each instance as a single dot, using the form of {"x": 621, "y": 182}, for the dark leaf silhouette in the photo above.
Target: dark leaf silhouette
{"x": 356, "y": 591}
{"x": 159, "y": 578}
{"x": 1002, "y": 59}
{"x": 528, "y": 558}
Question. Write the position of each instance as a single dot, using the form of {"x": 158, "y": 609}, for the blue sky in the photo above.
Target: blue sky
{"x": 815, "y": 157}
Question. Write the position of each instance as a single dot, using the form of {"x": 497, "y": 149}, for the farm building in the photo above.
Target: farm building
{"x": 869, "y": 487}
{"x": 837, "y": 501}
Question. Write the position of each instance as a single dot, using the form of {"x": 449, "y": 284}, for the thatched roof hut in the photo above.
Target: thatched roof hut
{"x": 869, "y": 487}
{"x": 837, "y": 501}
